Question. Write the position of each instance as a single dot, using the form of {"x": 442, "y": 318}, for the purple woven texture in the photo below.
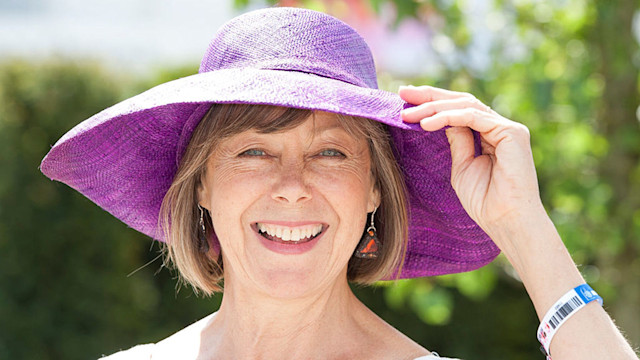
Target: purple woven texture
{"x": 125, "y": 157}
{"x": 305, "y": 41}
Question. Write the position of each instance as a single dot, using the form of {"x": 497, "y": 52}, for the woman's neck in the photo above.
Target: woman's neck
{"x": 251, "y": 324}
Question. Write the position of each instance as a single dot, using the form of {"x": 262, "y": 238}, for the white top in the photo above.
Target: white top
{"x": 146, "y": 351}
{"x": 163, "y": 351}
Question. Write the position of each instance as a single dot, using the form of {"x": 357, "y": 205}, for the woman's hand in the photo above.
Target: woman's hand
{"x": 499, "y": 190}
{"x": 496, "y": 186}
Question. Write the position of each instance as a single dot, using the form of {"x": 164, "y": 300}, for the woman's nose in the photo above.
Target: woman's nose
{"x": 291, "y": 186}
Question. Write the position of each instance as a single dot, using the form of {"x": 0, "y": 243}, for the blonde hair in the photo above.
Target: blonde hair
{"x": 179, "y": 214}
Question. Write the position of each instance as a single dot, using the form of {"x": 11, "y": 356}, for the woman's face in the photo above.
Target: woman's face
{"x": 290, "y": 207}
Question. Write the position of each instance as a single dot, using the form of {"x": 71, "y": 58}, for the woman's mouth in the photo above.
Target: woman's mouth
{"x": 290, "y": 235}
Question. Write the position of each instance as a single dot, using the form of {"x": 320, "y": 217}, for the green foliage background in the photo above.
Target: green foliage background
{"x": 65, "y": 288}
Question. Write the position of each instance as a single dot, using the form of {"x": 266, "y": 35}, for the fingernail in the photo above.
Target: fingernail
{"x": 449, "y": 136}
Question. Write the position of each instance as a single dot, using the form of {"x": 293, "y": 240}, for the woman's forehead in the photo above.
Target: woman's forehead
{"x": 316, "y": 126}
{"x": 315, "y": 122}
{"x": 322, "y": 121}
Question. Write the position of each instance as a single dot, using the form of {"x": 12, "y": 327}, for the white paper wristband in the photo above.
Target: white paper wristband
{"x": 562, "y": 310}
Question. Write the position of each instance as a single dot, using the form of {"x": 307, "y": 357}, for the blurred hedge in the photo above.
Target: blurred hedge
{"x": 65, "y": 292}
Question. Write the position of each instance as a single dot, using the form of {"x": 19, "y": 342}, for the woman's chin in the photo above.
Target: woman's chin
{"x": 289, "y": 270}
{"x": 287, "y": 283}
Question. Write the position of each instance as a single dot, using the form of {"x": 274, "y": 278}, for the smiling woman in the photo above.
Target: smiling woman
{"x": 283, "y": 170}
{"x": 236, "y": 144}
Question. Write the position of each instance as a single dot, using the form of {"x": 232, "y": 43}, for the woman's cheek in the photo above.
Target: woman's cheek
{"x": 233, "y": 187}
{"x": 343, "y": 178}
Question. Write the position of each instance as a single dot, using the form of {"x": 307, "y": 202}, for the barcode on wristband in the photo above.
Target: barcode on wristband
{"x": 564, "y": 310}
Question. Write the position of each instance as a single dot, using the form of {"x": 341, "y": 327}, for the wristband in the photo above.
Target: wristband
{"x": 562, "y": 310}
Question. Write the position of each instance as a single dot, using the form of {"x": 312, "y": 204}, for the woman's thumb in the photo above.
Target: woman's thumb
{"x": 462, "y": 148}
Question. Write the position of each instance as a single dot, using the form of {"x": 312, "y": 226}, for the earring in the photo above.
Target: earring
{"x": 203, "y": 242}
{"x": 369, "y": 246}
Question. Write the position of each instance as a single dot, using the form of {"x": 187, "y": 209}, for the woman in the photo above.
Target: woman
{"x": 282, "y": 169}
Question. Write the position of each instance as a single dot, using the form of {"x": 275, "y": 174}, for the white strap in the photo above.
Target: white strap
{"x": 574, "y": 300}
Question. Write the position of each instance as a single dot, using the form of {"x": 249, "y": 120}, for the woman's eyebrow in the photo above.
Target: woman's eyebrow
{"x": 320, "y": 129}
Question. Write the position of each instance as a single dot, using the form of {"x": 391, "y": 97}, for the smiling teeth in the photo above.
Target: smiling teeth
{"x": 286, "y": 233}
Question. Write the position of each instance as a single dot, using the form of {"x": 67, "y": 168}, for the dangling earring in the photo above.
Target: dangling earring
{"x": 203, "y": 242}
{"x": 369, "y": 246}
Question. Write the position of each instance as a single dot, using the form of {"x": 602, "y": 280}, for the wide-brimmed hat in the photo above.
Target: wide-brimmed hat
{"x": 125, "y": 157}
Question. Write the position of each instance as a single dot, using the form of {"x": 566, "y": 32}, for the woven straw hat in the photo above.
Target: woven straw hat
{"x": 125, "y": 157}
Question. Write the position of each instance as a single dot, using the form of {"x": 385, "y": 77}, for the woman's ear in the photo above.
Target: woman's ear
{"x": 203, "y": 195}
{"x": 374, "y": 199}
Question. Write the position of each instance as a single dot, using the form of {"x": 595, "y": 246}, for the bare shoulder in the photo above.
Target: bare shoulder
{"x": 400, "y": 346}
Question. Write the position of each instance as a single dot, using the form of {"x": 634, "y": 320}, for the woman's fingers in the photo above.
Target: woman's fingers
{"x": 437, "y": 108}
{"x": 478, "y": 120}
{"x": 492, "y": 127}
{"x": 419, "y": 112}
{"x": 449, "y": 108}
{"x": 417, "y": 95}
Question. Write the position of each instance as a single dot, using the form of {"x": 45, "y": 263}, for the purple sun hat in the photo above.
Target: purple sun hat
{"x": 125, "y": 157}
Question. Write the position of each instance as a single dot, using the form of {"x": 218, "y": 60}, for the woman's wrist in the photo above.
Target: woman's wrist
{"x": 534, "y": 248}
{"x": 536, "y": 251}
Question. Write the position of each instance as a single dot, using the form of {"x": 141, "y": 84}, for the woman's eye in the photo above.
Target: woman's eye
{"x": 331, "y": 153}
{"x": 253, "y": 152}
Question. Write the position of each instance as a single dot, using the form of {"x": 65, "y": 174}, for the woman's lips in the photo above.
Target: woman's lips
{"x": 272, "y": 235}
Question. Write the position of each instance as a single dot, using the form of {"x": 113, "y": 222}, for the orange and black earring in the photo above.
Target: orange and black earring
{"x": 369, "y": 246}
{"x": 203, "y": 242}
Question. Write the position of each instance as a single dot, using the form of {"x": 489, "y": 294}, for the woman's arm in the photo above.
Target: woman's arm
{"x": 499, "y": 190}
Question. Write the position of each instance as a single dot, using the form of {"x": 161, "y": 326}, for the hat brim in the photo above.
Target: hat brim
{"x": 125, "y": 157}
